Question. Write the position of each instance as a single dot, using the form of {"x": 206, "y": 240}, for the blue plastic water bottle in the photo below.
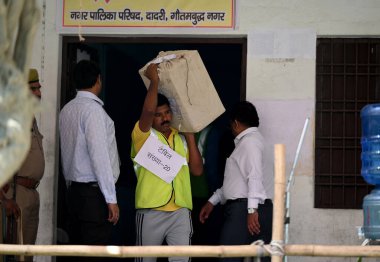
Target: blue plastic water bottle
{"x": 370, "y": 116}
{"x": 371, "y": 210}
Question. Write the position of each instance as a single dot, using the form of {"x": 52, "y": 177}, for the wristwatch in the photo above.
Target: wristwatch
{"x": 251, "y": 210}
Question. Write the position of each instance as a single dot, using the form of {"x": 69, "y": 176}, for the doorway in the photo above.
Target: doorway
{"x": 123, "y": 95}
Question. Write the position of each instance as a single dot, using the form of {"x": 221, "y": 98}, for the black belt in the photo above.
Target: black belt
{"x": 87, "y": 184}
{"x": 230, "y": 201}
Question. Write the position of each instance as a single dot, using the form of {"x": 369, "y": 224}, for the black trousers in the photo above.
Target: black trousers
{"x": 88, "y": 214}
{"x": 235, "y": 230}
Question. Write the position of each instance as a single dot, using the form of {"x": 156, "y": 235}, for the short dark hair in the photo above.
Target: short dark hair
{"x": 162, "y": 100}
{"x": 245, "y": 112}
{"x": 86, "y": 74}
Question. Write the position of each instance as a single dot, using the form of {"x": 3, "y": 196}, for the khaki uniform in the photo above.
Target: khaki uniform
{"x": 28, "y": 199}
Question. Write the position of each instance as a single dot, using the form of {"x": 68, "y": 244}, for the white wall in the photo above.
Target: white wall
{"x": 284, "y": 93}
{"x": 46, "y": 58}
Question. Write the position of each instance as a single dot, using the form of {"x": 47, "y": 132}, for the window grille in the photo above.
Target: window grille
{"x": 347, "y": 79}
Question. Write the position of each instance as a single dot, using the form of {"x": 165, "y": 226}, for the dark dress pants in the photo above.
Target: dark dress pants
{"x": 88, "y": 214}
{"x": 235, "y": 230}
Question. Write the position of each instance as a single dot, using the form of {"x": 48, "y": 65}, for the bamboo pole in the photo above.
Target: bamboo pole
{"x": 132, "y": 251}
{"x": 332, "y": 251}
{"x": 207, "y": 251}
{"x": 191, "y": 251}
{"x": 279, "y": 197}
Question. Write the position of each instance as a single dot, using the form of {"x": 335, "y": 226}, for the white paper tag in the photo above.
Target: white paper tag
{"x": 160, "y": 159}
{"x": 164, "y": 58}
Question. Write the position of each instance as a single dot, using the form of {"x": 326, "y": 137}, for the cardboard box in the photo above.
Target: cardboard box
{"x": 185, "y": 82}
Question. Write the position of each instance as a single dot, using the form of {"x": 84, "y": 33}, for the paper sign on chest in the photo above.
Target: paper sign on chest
{"x": 160, "y": 159}
{"x": 185, "y": 82}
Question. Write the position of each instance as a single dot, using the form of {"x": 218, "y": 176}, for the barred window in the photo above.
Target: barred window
{"x": 347, "y": 79}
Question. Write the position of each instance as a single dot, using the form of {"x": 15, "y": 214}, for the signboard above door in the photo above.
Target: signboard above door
{"x": 122, "y": 14}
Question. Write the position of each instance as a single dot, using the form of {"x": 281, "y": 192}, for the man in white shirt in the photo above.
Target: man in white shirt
{"x": 90, "y": 160}
{"x": 245, "y": 190}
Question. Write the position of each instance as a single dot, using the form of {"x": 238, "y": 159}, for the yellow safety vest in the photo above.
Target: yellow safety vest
{"x": 152, "y": 191}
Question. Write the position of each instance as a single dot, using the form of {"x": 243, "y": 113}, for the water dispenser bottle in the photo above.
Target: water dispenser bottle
{"x": 371, "y": 210}
{"x": 370, "y": 116}
{"x": 370, "y": 141}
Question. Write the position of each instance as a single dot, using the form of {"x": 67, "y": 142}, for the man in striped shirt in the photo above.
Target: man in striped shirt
{"x": 90, "y": 160}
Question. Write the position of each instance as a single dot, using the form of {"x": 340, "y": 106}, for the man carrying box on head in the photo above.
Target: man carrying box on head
{"x": 163, "y": 204}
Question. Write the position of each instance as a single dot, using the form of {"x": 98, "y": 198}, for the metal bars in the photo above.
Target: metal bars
{"x": 347, "y": 78}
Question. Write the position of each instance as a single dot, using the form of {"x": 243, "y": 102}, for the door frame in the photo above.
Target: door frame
{"x": 66, "y": 53}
